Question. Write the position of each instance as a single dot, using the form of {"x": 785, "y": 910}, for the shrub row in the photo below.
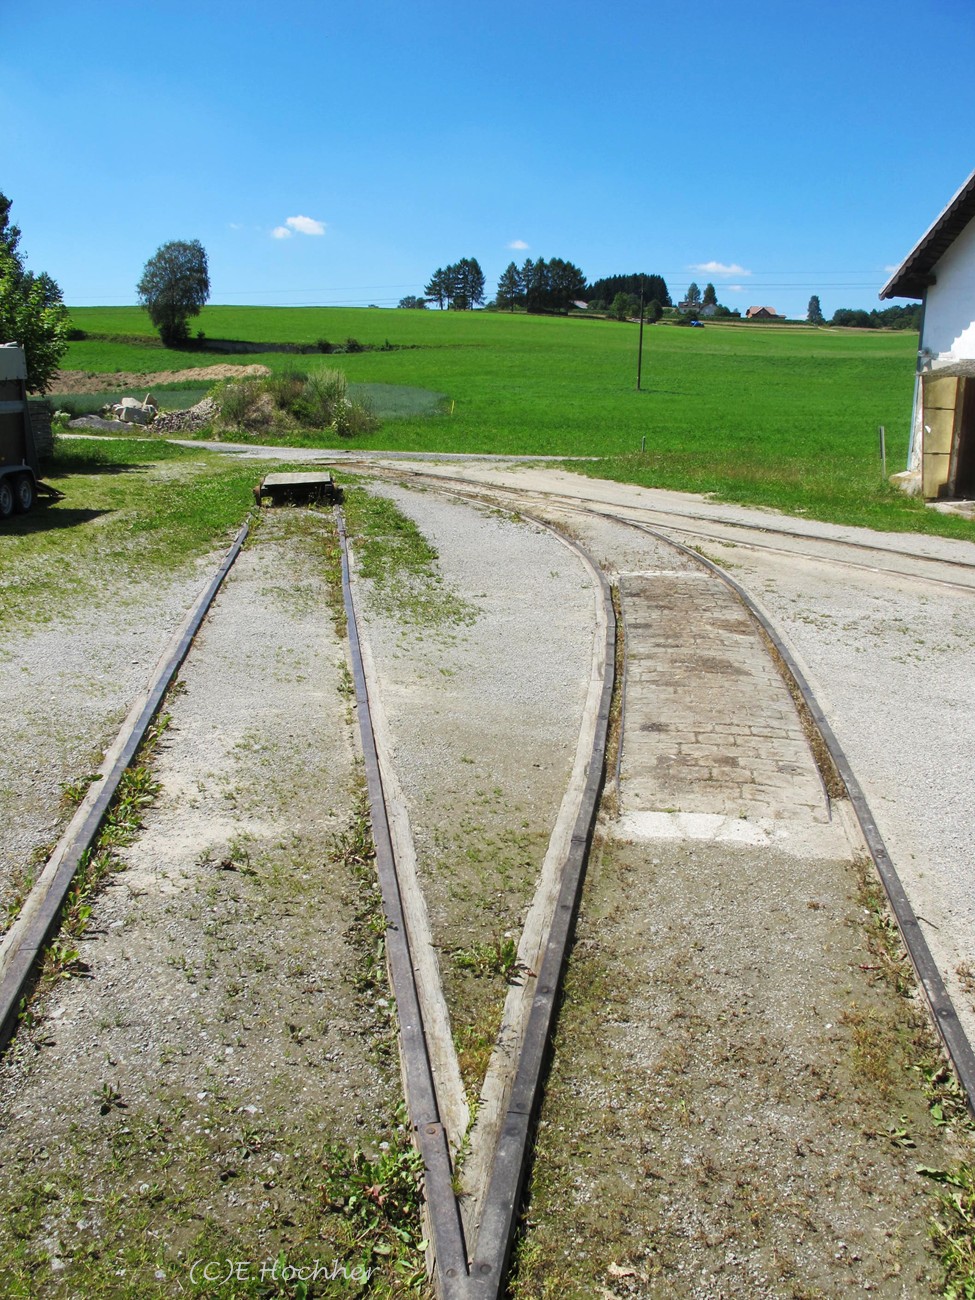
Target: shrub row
{"x": 293, "y": 399}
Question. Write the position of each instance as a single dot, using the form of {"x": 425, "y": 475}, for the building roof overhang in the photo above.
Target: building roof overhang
{"x": 916, "y": 272}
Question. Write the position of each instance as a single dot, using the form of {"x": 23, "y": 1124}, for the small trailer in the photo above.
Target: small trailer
{"x": 19, "y": 484}
{"x": 294, "y": 489}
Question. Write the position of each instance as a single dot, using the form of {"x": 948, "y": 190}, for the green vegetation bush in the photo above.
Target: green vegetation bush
{"x": 240, "y": 405}
{"x": 292, "y": 399}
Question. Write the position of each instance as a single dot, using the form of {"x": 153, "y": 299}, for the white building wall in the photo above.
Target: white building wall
{"x": 949, "y": 314}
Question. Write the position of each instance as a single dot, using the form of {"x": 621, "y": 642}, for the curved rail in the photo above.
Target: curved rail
{"x": 484, "y": 1276}
{"x": 24, "y": 942}
{"x": 930, "y": 979}
{"x": 566, "y": 502}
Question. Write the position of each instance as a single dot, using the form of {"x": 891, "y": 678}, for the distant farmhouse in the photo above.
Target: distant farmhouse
{"x": 762, "y": 313}
{"x": 695, "y": 308}
{"x": 940, "y": 270}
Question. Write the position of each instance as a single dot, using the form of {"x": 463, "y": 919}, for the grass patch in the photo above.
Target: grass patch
{"x": 399, "y": 401}
{"x": 401, "y": 564}
{"x": 134, "y": 510}
{"x": 780, "y": 418}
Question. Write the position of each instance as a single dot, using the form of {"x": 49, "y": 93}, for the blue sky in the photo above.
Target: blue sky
{"x": 792, "y": 147}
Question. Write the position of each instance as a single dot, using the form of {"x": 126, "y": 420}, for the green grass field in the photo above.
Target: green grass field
{"x": 783, "y": 417}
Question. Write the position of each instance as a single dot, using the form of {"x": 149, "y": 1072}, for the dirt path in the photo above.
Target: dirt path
{"x": 84, "y": 381}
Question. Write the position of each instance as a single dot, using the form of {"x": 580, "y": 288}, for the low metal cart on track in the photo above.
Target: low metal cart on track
{"x": 297, "y": 489}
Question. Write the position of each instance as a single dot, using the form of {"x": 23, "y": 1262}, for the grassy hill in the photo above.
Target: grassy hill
{"x": 759, "y": 414}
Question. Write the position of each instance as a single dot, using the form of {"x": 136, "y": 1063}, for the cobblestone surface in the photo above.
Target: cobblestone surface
{"x": 710, "y": 726}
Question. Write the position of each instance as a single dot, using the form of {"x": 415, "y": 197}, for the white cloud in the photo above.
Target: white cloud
{"x": 519, "y": 244}
{"x": 891, "y": 269}
{"x": 298, "y": 225}
{"x": 306, "y": 225}
{"x": 735, "y": 288}
{"x": 719, "y": 268}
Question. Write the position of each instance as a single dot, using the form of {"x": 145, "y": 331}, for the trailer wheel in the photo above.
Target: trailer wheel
{"x": 6, "y": 499}
{"x": 24, "y": 493}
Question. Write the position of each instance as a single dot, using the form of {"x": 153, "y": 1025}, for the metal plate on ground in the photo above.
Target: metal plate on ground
{"x": 295, "y": 487}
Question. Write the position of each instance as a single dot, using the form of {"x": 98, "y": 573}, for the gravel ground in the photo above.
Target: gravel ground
{"x": 893, "y": 664}
{"x": 730, "y": 1072}
{"x": 484, "y": 716}
{"x": 727, "y": 1091}
{"x": 892, "y": 661}
{"x": 484, "y": 721}
{"x": 174, "y": 1104}
{"x": 66, "y": 687}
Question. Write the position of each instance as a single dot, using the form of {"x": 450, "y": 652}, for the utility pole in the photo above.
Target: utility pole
{"x": 639, "y": 355}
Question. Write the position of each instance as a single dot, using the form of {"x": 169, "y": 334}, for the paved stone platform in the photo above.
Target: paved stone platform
{"x": 709, "y": 726}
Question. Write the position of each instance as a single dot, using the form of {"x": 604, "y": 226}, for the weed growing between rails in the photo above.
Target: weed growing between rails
{"x": 953, "y": 1223}
{"x": 401, "y": 565}
{"x": 136, "y": 791}
{"x": 741, "y": 1137}
{"x": 376, "y": 1194}
{"x": 217, "y": 1182}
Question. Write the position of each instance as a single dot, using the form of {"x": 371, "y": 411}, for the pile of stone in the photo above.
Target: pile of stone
{"x": 131, "y": 411}
{"x": 189, "y": 421}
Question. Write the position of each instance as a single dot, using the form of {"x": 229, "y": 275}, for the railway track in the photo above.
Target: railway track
{"x": 471, "y": 1235}
{"x": 793, "y": 543}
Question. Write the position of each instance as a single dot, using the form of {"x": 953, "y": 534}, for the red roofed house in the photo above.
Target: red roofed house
{"x": 940, "y": 270}
{"x": 762, "y": 313}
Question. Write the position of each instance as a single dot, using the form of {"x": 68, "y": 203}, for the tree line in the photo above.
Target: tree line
{"x": 459, "y": 287}
{"x": 889, "y": 318}
{"x": 541, "y": 285}
{"x": 652, "y": 287}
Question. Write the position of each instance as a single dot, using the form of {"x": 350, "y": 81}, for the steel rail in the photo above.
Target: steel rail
{"x": 24, "y": 943}
{"x": 929, "y": 976}
{"x": 506, "y": 1186}
{"x": 565, "y": 502}
{"x": 485, "y": 1276}
{"x": 443, "y": 1211}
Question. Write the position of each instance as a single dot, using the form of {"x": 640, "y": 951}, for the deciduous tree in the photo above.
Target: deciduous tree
{"x": 175, "y": 285}
{"x": 32, "y": 312}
